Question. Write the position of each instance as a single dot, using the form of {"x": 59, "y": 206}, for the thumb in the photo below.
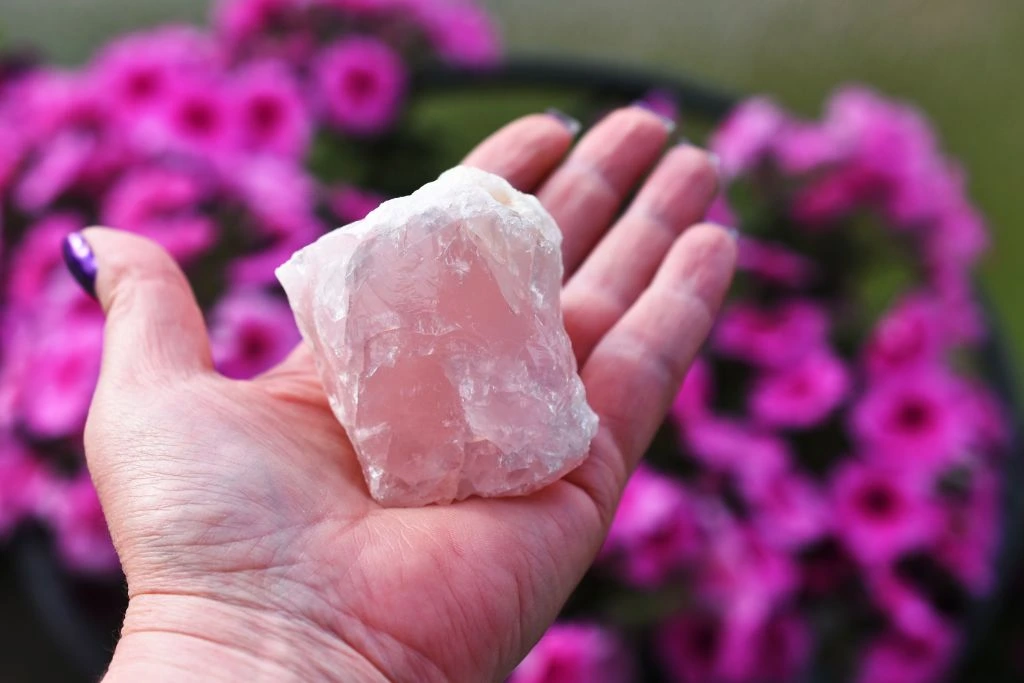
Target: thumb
{"x": 154, "y": 329}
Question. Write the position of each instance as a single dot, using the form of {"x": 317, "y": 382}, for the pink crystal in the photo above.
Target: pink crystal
{"x": 437, "y": 331}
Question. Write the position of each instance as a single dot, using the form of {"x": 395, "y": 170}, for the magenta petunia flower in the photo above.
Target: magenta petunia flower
{"x": 60, "y": 374}
{"x": 744, "y": 451}
{"x": 774, "y": 263}
{"x": 971, "y": 533}
{"x": 742, "y": 142}
{"x": 77, "y": 520}
{"x": 771, "y": 337}
{"x": 880, "y": 513}
{"x": 654, "y": 532}
{"x": 896, "y": 657}
{"x": 806, "y": 147}
{"x": 908, "y": 337}
{"x": 801, "y": 395}
{"x": 461, "y": 33}
{"x": 914, "y": 420}
{"x": 23, "y": 480}
{"x": 790, "y": 510}
{"x": 135, "y": 73}
{"x": 736, "y": 633}
{"x": 251, "y": 332}
{"x": 37, "y": 260}
{"x": 164, "y": 205}
{"x": 269, "y": 111}
{"x": 195, "y": 119}
{"x": 361, "y": 83}
{"x": 575, "y": 652}
{"x": 59, "y": 165}
{"x": 352, "y": 203}
{"x": 240, "y": 21}
{"x": 721, "y": 213}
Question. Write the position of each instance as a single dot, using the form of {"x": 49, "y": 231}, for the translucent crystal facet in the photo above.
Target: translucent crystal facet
{"x": 437, "y": 331}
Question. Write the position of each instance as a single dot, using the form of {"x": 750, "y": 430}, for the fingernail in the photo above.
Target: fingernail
{"x": 670, "y": 124}
{"x": 569, "y": 122}
{"x": 81, "y": 261}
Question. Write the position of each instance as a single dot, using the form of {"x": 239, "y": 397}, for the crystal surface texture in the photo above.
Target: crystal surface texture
{"x": 437, "y": 331}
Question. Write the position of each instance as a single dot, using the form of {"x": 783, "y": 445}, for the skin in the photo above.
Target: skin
{"x": 250, "y": 544}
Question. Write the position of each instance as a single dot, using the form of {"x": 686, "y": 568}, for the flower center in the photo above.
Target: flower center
{"x": 359, "y": 84}
{"x": 265, "y": 113}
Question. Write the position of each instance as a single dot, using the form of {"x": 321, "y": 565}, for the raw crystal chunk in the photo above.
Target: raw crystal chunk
{"x": 437, "y": 331}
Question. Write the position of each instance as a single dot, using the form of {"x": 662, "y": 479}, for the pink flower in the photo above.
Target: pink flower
{"x": 914, "y": 420}
{"x": 963, "y": 321}
{"x": 804, "y": 147}
{"x": 772, "y": 337}
{"x": 971, "y": 533}
{"x": 801, "y": 395}
{"x": 163, "y": 204}
{"x": 37, "y": 258}
{"x": 250, "y": 333}
{"x": 269, "y": 110}
{"x": 137, "y": 71}
{"x": 22, "y": 484}
{"x": 241, "y": 21}
{"x": 699, "y": 648}
{"x": 353, "y": 204}
{"x": 880, "y": 512}
{"x": 461, "y": 33}
{"x": 833, "y": 196}
{"x": 195, "y": 119}
{"x": 654, "y": 532}
{"x": 280, "y": 200}
{"x": 906, "y": 608}
{"x": 361, "y": 83}
{"x": 896, "y": 657}
{"x": 689, "y": 644}
{"x": 721, "y": 213}
{"x": 959, "y": 238}
{"x": 741, "y": 575}
{"x": 746, "y": 452}
{"x": 909, "y": 336}
{"x": 988, "y": 417}
{"x": 81, "y": 530}
{"x": 790, "y": 510}
{"x": 59, "y": 165}
{"x": 60, "y": 375}
{"x": 774, "y": 263}
{"x": 891, "y": 142}
{"x": 575, "y": 653}
{"x": 747, "y": 135}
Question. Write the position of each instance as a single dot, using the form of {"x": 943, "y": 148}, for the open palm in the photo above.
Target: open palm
{"x": 238, "y": 509}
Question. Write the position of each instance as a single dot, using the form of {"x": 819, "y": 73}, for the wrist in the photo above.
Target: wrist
{"x": 174, "y": 637}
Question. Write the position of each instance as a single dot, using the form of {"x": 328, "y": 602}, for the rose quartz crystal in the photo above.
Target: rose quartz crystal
{"x": 437, "y": 331}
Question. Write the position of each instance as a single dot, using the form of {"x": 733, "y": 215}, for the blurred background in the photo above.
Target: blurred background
{"x": 959, "y": 61}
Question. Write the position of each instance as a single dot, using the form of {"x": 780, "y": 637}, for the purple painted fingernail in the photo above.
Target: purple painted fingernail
{"x": 81, "y": 261}
{"x": 569, "y": 122}
{"x": 669, "y": 123}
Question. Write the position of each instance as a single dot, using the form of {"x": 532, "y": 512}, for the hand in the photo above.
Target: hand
{"x": 238, "y": 509}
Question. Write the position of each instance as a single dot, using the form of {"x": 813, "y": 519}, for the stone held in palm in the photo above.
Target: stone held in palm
{"x": 437, "y": 331}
